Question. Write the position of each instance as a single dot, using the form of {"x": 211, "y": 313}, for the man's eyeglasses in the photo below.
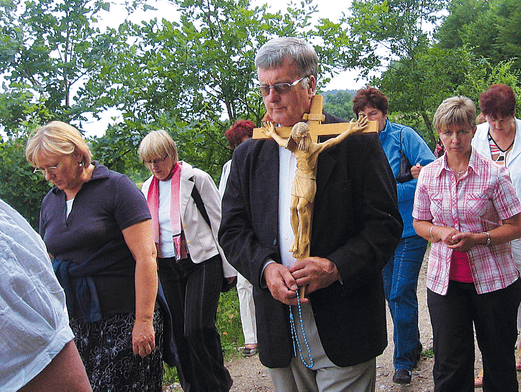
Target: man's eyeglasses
{"x": 280, "y": 88}
{"x": 155, "y": 161}
{"x": 51, "y": 170}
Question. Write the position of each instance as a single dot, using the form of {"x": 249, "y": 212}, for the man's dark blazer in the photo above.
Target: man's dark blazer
{"x": 356, "y": 224}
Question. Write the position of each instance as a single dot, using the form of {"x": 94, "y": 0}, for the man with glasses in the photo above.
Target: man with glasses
{"x": 328, "y": 340}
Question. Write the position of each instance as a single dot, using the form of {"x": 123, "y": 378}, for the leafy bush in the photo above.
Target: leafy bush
{"x": 229, "y": 323}
{"x": 19, "y": 186}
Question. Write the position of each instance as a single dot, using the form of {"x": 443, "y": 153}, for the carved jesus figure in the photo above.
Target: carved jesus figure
{"x": 306, "y": 152}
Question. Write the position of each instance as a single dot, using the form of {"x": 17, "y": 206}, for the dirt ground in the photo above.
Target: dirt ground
{"x": 250, "y": 375}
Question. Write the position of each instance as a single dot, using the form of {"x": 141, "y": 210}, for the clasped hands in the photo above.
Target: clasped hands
{"x": 456, "y": 240}
{"x": 312, "y": 272}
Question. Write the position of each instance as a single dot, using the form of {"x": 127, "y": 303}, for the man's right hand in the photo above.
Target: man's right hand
{"x": 281, "y": 284}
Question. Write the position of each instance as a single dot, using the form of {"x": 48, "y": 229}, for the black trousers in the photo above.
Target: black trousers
{"x": 192, "y": 293}
{"x": 494, "y": 317}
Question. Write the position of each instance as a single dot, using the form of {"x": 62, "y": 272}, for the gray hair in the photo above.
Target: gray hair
{"x": 273, "y": 53}
{"x": 455, "y": 111}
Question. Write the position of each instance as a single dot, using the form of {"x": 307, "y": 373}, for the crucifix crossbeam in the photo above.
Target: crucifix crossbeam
{"x": 316, "y": 128}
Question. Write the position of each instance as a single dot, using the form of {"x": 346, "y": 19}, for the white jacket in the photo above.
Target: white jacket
{"x": 513, "y": 163}
{"x": 201, "y": 241}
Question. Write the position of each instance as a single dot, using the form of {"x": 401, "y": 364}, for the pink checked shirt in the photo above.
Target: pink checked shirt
{"x": 477, "y": 202}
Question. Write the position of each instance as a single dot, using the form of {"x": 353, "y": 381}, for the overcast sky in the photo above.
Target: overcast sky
{"x": 331, "y": 9}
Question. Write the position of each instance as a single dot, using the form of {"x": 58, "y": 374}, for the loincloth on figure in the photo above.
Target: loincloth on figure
{"x": 304, "y": 185}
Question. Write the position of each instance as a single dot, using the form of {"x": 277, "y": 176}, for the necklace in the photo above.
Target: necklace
{"x": 458, "y": 174}
{"x": 295, "y": 338}
{"x": 490, "y": 138}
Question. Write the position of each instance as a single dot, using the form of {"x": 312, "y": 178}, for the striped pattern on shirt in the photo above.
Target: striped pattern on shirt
{"x": 477, "y": 202}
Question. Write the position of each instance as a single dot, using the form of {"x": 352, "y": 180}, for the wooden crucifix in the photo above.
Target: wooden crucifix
{"x": 302, "y": 141}
{"x": 316, "y": 128}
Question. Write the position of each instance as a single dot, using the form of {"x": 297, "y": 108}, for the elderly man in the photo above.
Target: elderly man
{"x": 330, "y": 339}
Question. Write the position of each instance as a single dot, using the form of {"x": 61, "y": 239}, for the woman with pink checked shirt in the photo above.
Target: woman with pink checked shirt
{"x": 467, "y": 207}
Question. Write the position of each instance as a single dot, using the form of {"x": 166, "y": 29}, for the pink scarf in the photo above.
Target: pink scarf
{"x": 175, "y": 213}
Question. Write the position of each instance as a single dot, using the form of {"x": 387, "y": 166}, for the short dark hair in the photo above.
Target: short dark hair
{"x": 370, "y": 96}
{"x": 238, "y": 131}
{"x": 498, "y": 101}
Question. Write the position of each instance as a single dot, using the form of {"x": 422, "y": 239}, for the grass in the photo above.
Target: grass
{"x": 229, "y": 327}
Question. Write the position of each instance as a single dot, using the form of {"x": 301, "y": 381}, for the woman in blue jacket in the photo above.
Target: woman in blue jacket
{"x": 401, "y": 272}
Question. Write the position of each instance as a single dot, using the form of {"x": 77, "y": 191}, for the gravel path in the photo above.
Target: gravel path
{"x": 250, "y": 375}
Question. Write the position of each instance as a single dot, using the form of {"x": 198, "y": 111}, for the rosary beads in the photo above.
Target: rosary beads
{"x": 294, "y": 335}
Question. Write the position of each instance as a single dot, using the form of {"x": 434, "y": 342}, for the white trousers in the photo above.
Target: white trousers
{"x": 247, "y": 308}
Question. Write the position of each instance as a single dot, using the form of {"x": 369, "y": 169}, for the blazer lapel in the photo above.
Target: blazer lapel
{"x": 326, "y": 164}
{"x": 265, "y": 207}
{"x": 185, "y": 187}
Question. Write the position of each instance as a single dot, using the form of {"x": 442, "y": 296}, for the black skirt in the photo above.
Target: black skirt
{"x": 105, "y": 348}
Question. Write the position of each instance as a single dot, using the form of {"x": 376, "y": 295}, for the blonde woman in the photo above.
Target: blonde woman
{"x": 467, "y": 207}
{"x": 96, "y": 226}
{"x": 186, "y": 214}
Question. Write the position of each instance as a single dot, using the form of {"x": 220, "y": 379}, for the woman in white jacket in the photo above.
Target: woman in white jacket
{"x": 186, "y": 213}
{"x": 499, "y": 138}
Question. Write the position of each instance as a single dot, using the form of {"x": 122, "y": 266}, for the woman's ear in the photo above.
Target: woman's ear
{"x": 78, "y": 156}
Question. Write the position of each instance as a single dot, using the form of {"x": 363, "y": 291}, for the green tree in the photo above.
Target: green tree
{"x": 381, "y": 32}
{"x": 196, "y": 77}
{"x": 482, "y": 74}
{"x": 418, "y": 83}
{"x": 47, "y": 50}
{"x": 486, "y": 27}
{"x": 339, "y": 103}
{"x": 19, "y": 186}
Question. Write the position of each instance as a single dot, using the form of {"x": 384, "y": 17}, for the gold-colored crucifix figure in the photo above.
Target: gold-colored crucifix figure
{"x": 302, "y": 141}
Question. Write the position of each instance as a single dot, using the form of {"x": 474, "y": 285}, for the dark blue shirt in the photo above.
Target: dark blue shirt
{"x": 92, "y": 236}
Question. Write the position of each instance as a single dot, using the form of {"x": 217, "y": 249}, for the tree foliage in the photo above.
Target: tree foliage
{"x": 381, "y": 32}
{"x": 466, "y": 53}
{"x": 194, "y": 76}
{"x": 339, "y": 103}
{"x": 420, "y": 82}
{"x": 19, "y": 186}
{"x": 48, "y": 49}
{"x": 486, "y": 27}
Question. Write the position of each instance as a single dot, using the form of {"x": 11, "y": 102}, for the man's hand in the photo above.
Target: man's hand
{"x": 281, "y": 284}
{"x": 315, "y": 273}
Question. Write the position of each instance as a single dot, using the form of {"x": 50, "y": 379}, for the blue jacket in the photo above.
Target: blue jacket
{"x": 416, "y": 151}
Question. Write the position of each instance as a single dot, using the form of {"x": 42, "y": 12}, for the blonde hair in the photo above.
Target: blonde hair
{"x": 455, "y": 111}
{"x": 57, "y": 138}
{"x": 157, "y": 144}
